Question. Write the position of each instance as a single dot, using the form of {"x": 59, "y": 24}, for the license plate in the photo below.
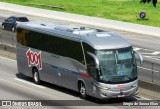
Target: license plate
{"x": 120, "y": 96}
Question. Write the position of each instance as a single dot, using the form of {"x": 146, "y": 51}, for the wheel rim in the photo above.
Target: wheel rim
{"x": 82, "y": 90}
{"x": 36, "y": 76}
{"x": 13, "y": 29}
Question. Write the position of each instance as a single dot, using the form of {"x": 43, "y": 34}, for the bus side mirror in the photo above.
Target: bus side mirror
{"x": 140, "y": 57}
{"x": 95, "y": 59}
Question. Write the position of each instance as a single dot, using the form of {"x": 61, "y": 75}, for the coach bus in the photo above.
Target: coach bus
{"x": 90, "y": 61}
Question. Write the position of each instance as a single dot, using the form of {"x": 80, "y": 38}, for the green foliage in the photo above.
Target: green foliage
{"x": 153, "y": 1}
{"x": 122, "y": 10}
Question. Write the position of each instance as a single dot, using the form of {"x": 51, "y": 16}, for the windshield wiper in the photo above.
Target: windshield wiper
{"x": 128, "y": 77}
{"x": 105, "y": 81}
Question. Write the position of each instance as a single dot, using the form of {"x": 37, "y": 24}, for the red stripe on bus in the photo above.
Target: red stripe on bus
{"x": 85, "y": 75}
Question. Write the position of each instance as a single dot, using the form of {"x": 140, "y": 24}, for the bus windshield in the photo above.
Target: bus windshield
{"x": 117, "y": 66}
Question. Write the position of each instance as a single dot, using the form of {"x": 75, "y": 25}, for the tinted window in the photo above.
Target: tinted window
{"x": 52, "y": 44}
{"x": 88, "y": 48}
{"x": 21, "y": 36}
{"x": 91, "y": 67}
{"x": 11, "y": 19}
{"x": 8, "y": 19}
{"x": 22, "y": 19}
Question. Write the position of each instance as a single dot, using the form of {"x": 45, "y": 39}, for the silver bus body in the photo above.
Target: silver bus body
{"x": 68, "y": 55}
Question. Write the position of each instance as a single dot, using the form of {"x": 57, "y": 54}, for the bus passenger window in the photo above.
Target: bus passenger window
{"x": 91, "y": 67}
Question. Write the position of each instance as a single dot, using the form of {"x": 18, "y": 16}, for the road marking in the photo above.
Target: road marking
{"x": 39, "y": 91}
{"x": 151, "y": 57}
{"x": 156, "y": 53}
{"x": 12, "y": 82}
{"x": 142, "y": 97}
{"x": 8, "y": 44}
{"x": 29, "y": 83}
{"x": 8, "y": 59}
{"x": 147, "y": 69}
{"x": 153, "y": 53}
{"x": 136, "y": 49}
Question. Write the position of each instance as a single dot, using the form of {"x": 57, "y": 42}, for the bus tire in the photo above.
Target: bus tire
{"x": 13, "y": 29}
{"x": 82, "y": 90}
{"x": 3, "y": 27}
{"x": 36, "y": 76}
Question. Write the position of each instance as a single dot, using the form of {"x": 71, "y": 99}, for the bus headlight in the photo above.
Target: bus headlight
{"x": 135, "y": 85}
{"x": 104, "y": 94}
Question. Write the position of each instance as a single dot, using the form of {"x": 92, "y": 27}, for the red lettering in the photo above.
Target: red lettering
{"x": 31, "y": 58}
{"x": 120, "y": 86}
{"x": 39, "y": 60}
{"x": 34, "y": 59}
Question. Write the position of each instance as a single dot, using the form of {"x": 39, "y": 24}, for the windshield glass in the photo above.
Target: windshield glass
{"x": 117, "y": 66}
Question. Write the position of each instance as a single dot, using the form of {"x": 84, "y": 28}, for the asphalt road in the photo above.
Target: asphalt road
{"x": 14, "y": 86}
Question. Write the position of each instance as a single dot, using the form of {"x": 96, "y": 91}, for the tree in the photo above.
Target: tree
{"x": 153, "y": 1}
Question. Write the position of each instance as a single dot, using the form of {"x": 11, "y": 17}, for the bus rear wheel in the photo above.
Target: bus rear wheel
{"x": 82, "y": 91}
{"x": 3, "y": 27}
{"x": 36, "y": 76}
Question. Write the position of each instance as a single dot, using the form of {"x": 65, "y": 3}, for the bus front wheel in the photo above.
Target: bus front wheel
{"x": 36, "y": 76}
{"x": 82, "y": 91}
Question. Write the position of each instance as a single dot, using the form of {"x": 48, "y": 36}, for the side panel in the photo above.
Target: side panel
{"x": 71, "y": 70}
{"x": 22, "y": 61}
{"x": 50, "y": 69}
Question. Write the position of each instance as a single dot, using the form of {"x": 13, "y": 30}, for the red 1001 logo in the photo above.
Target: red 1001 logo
{"x": 34, "y": 58}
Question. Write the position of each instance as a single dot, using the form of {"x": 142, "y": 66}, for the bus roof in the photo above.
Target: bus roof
{"x": 98, "y": 39}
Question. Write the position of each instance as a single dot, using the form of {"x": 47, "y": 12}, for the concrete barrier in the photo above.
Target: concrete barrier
{"x": 149, "y": 89}
{"x": 8, "y": 51}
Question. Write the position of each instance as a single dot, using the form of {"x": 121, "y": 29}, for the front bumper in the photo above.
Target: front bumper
{"x": 129, "y": 89}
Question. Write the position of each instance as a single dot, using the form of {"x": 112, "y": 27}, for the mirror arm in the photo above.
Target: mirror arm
{"x": 95, "y": 59}
{"x": 140, "y": 57}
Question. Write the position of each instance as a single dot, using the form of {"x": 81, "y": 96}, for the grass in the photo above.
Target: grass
{"x": 122, "y": 10}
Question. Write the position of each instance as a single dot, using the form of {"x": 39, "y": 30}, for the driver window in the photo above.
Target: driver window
{"x": 9, "y": 19}
{"x": 91, "y": 67}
